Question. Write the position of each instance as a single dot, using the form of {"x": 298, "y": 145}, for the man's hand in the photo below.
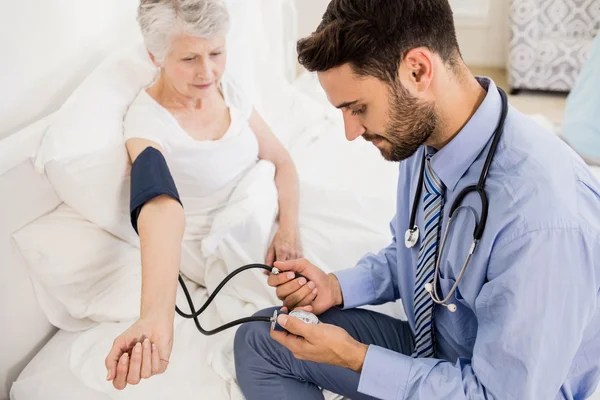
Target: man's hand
{"x": 322, "y": 343}
{"x": 322, "y": 291}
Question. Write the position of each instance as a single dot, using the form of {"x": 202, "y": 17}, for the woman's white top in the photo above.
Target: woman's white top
{"x": 199, "y": 168}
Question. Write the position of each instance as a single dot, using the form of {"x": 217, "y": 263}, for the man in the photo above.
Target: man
{"x": 525, "y": 323}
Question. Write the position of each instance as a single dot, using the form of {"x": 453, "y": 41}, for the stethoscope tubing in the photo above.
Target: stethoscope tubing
{"x": 456, "y": 205}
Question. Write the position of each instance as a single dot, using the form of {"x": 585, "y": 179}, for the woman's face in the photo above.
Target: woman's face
{"x": 194, "y": 66}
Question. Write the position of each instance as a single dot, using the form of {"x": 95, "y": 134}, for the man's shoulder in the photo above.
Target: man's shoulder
{"x": 530, "y": 154}
{"x": 542, "y": 181}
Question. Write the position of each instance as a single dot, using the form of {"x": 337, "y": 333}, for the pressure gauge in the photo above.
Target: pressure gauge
{"x": 305, "y": 316}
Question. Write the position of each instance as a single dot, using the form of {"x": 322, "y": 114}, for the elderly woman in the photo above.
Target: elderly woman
{"x": 210, "y": 135}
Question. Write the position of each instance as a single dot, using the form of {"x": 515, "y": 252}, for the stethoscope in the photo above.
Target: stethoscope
{"x": 304, "y": 316}
{"x": 412, "y": 234}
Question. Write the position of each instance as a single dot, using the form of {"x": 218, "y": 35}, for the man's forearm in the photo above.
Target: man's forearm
{"x": 161, "y": 225}
{"x": 355, "y": 354}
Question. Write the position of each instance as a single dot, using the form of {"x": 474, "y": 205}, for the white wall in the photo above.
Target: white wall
{"x": 41, "y": 65}
{"x": 309, "y": 15}
{"x": 483, "y": 39}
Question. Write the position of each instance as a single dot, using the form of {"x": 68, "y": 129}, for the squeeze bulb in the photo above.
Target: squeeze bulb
{"x": 428, "y": 287}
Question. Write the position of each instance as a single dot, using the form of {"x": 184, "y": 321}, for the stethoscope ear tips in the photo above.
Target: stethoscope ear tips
{"x": 451, "y": 307}
{"x": 428, "y": 287}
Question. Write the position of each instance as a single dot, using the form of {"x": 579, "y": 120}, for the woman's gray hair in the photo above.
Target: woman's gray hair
{"x": 160, "y": 20}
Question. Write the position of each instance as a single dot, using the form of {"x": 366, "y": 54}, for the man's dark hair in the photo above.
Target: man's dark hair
{"x": 375, "y": 35}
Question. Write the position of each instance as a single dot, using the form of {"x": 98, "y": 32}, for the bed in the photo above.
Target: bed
{"x": 70, "y": 364}
{"x": 345, "y": 206}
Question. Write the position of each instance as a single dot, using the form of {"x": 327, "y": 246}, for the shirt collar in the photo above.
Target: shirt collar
{"x": 455, "y": 158}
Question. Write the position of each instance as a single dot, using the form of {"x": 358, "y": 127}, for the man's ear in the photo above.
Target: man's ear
{"x": 417, "y": 68}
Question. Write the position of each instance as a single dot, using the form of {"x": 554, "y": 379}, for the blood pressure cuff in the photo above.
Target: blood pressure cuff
{"x": 150, "y": 178}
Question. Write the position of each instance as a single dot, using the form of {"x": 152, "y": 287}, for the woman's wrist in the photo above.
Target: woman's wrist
{"x": 158, "y": 302}
{"x": 157, "y": 311}
{"x": 288, "y": 223}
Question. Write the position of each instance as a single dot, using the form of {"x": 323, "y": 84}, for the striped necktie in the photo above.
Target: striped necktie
{"x": 433, "y": 211}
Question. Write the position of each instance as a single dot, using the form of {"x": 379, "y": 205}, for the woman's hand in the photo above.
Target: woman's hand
{"x": 140, "y": 352}
{"x": 285, "y": 246}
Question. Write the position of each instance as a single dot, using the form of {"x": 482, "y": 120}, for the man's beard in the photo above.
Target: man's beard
{"x": 412, "y": 123}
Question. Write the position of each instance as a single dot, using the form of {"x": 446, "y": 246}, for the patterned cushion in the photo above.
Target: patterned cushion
{"x": 550, "y": 40}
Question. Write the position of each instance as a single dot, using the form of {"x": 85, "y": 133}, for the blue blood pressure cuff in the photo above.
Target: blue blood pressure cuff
{"x": 150, "y": 178}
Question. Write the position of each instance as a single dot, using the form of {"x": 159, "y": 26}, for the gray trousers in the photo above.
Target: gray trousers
{"x": 267, "y": 370}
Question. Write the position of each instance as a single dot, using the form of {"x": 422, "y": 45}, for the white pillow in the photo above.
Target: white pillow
{"x": 83, "y": 274}
{"x": 83, "y": 152}
{"x": 91, "y": 119}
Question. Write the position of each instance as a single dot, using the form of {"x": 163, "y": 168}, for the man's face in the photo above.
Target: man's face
{"x": 388, "y": 116}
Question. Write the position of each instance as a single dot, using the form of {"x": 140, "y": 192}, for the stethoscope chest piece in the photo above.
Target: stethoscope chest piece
{"x": 411, "y": 237}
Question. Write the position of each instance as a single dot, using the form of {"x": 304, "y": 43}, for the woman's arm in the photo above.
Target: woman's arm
{"x": 144, "y": 349}
{"x": 161, "y": 225}
{"x": 286, "y": 180}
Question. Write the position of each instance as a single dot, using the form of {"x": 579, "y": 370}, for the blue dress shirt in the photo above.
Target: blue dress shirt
{"x": 527, "y": 324}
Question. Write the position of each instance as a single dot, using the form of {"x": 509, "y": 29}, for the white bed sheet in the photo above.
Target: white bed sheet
{"x": 68, "y": 367}
{"x": 48, "y": 375}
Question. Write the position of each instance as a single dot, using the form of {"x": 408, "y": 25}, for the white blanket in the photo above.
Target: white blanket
{"x": 347, "y": 198}
{"x": 239, "y": 235}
